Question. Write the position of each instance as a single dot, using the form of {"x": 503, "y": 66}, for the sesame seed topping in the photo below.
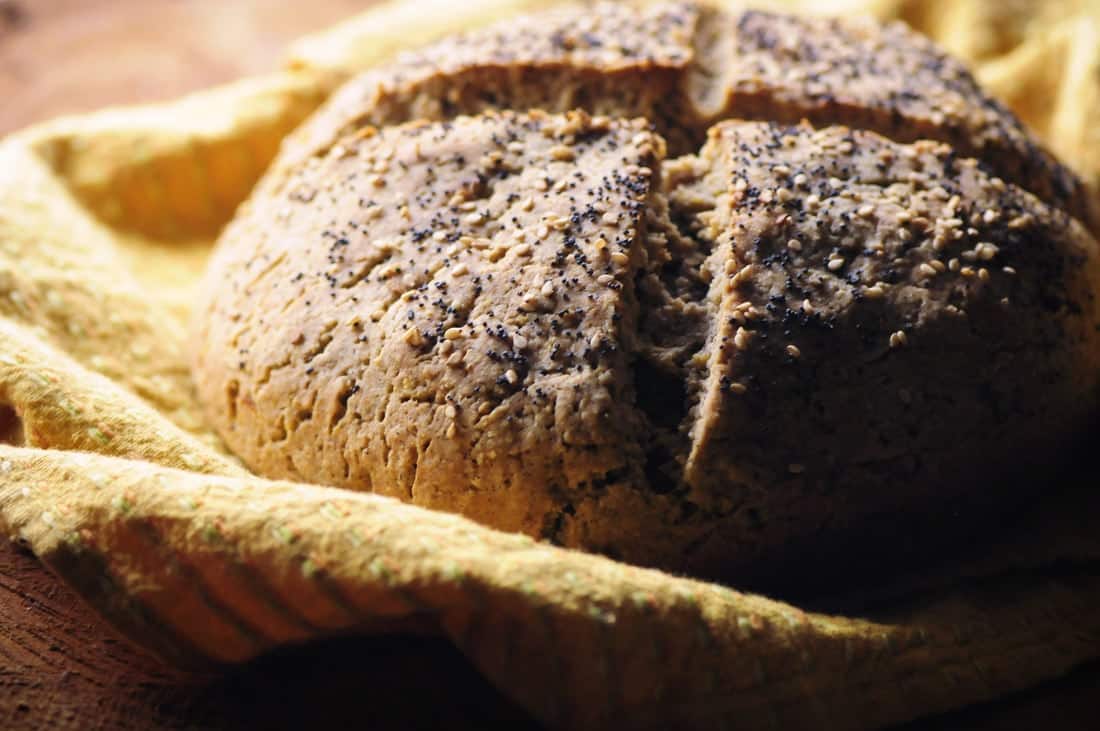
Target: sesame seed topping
{"x": 986, "y": 251}
{"x": 742, "y": 338}
{"x": 898, "y": 339}
{"x": 793, "y": 351}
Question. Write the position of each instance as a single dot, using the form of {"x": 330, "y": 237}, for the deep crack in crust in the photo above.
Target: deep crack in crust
{"x": 539, "y": 321}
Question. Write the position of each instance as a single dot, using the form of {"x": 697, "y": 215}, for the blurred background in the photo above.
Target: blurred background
{"x": 64, "y": 56}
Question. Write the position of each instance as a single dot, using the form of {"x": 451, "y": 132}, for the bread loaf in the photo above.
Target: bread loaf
{"x": 684, "y": 288}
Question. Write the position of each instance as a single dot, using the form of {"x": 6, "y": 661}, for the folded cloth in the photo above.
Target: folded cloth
{"x": 112, "y": 478}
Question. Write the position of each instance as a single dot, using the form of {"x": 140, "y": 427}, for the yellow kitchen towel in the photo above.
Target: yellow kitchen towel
{"x": 109, "y": 475}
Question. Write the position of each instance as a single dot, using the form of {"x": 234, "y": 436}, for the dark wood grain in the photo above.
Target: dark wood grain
{"x": 60, "y": 666}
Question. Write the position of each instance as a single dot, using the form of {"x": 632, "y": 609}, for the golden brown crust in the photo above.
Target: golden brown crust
{"x": 685, "y": 67}
{"x": 607, "y": 59}
{"x": 537, "y": 321}
{"x": 443, "y": 313}
{"x": 885, "y": 78}
{"x": 883, "y": 314}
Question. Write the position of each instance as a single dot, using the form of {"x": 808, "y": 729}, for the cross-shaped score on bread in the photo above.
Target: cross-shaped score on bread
{"x": 681, "y": 287}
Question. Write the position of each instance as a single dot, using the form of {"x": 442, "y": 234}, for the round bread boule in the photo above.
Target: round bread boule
{"x": 703, "y": 363}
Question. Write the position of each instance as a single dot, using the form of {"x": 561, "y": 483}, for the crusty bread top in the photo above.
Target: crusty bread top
{"x": 539, "y": 321}
{"x": 439, "y": 306}
{"x": 685, "y": 67}
{"x": 863, "y": 74}
{"x": 608, "y": 58}
{"x": 882, "y": 308}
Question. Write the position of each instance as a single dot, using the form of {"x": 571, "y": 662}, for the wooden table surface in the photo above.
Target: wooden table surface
{"x": 60, "y": 666}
